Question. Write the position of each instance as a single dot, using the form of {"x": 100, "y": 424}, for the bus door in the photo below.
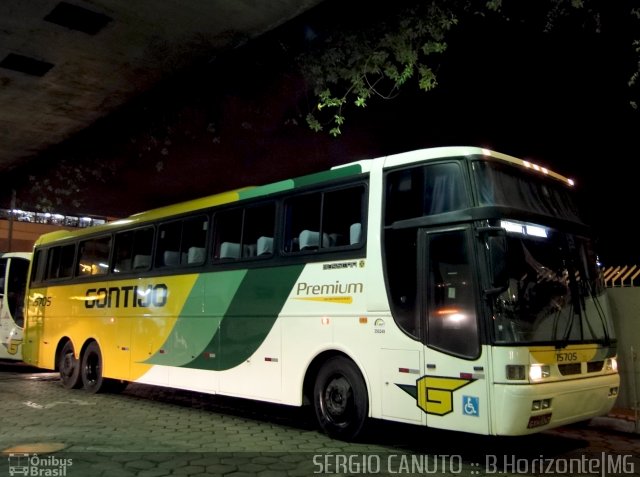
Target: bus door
{"x": 13, "y": 281}
{"x": 454, "y": 390}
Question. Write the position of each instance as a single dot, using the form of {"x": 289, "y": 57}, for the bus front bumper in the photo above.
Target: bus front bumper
{"x": 528, "y": 408}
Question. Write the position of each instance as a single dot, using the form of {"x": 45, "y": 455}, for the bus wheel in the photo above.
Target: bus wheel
{"x": 69, "y": 367}
{"x": 340, "y": 398}
{"x": 91, "y": 369}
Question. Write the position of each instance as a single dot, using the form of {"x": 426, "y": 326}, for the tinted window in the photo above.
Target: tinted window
{"x": 324, "y": 220}
{"x": 93, "y": 256}
{"x": 16, "y": 288}
{"x": 244, "y": 233}
{"x": 132, "y": 250}
{"x": 452, "y": 325}
{"x": 182, "y": 242}
{"x": 424, "y": 190}
{"x": 60, "y": 262}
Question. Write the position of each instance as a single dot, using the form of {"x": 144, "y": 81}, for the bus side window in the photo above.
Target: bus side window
{"x": 324, "y": 220}
{"x": 424, "y": 190}
{"x": 452, "y": 324}
{"x": 38, "y": 267}
{"x": 132, "y": 250}
{"x": 302, "y": 221}
{"x": 443, "y": 189}
{"x": 60, "y": 262}
{"x": 342, "y": 216}
{"x": 258, "y": 230}
{"x": 194, "y": 240}
{"x": 168, "y": 249}
{"x": 244, "y": 233}
{"x": 3, "y": 271}
{"x": 16, "y": 288}
{"x": 93, "y": 256}
{"x": 401, "y": 259}
{"x": 228, "y": 234}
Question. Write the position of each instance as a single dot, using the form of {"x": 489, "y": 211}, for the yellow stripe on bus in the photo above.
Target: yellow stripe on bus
{"x": 347, "y": 300}
{"x": 569, "y": 354}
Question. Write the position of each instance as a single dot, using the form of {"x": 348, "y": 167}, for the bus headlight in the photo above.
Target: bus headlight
{"x": 539, "y": 371}
{"x": 611, "y": 364}
{"x": 515, "y": 372}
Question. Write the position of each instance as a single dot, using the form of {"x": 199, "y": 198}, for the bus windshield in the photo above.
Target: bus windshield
{"x": 502, "y": 184}
{"x": 554, "y": 294}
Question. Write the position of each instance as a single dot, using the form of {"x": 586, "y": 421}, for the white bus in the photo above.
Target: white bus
{"x": 13, "y": 281}
{"x": 454, "y": 288}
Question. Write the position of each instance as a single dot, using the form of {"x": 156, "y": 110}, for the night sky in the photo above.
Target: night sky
{"x": 559, "y": 99}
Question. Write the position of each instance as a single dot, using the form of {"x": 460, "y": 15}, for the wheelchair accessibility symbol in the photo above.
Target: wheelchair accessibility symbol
{"x": 471, "y": 406}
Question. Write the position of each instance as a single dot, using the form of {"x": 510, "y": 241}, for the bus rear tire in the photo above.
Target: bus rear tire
{"x": 340, "y": 399}
{"x": 69, "y": 367}
{"x": 91, "y": 369}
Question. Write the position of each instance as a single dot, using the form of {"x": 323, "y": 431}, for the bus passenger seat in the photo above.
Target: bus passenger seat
{"x": 310, "y": 240}
{"x": 195, "y": 255}
{"x": 355, "y": 233}
{"x": 264, "y": 245}
{"x": 229, "y": 250}
{"x": 141, "y": 261}
{"x": 122, "y": 266}
{"x": 171, "y": 258}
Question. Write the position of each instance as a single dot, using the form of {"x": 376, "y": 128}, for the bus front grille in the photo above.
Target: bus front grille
{"x": 568, "y": 369}
{"x": 594, "y": 366}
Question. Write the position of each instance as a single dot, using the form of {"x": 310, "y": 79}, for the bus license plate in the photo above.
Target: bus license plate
{"x": 537, "y": 421}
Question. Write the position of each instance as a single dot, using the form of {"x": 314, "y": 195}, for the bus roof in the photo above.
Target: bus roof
{"x": 336, "y": 172}
{"x": 25, "y": 255}
{"x": 207, "y": 202}
{"x": 465, "y": 151}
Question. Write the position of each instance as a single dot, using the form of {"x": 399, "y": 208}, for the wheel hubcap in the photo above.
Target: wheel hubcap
{"x": 336, "y": 398}
{"x": 68, "y": 365}
{"x": 92, "y": 369}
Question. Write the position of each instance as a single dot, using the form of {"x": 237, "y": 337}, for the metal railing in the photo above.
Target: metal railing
{"x": 622, "y": 276}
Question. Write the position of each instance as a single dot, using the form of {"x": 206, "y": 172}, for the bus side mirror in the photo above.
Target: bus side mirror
{"x": 498, "y": 272}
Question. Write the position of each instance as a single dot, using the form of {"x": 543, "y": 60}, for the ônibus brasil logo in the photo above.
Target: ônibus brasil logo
{"x": 34, "y": 465}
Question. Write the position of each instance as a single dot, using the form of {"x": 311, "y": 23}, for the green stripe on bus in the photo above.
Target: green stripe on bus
{"x": 347, "y": 171}
{"x": 249, "y": 318}
{"x": 300, "y": 181}
{"x": 267, "y": 189}
{"x": 195, "y": 329}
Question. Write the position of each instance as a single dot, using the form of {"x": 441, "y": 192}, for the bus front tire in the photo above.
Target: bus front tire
{"x": 340, "y": 399}
{"x": 69, "y": 367}
{"x": 91, "y": 369}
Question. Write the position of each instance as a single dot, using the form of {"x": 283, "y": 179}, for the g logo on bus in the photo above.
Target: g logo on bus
{"x": 12, "y": 346}
{"x": 435, "y": 393}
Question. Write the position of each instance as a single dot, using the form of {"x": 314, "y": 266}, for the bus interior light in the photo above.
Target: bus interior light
{"x": 536, "y": 231}
{"x": 524, "y": 229}
{"x": 512, "y": 227}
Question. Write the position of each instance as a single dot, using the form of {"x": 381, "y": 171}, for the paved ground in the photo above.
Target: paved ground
{"x": 153, "y": 432}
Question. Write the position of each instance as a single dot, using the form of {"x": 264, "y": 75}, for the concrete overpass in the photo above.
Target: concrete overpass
{"x": 65, "y": 64}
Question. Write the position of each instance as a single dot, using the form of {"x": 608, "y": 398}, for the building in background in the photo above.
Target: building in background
{"x": 19, "y": 229}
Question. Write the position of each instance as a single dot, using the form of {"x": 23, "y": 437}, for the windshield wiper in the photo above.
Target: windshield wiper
{"x": 606, "y": 340}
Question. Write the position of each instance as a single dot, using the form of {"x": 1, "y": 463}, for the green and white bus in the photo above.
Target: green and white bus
{"x": 455, "y": 288}
{"x": 14, "y": 267}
